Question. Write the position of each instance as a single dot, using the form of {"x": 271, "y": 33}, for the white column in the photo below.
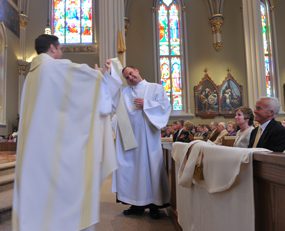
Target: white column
{"x": 111, "y": 21}
{"x": 3, "y": 73}
{"x": 254, "y": 51}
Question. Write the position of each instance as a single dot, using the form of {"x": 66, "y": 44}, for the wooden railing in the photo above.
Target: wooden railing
{"x": 269, "y": 191}
{"x": 7, "y": 168}
{"x": 8, "y": 146}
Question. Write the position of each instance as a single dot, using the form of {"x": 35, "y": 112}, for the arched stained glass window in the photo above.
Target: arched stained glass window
{"x": 170, "y": 50}
{"x": 72, "y": 21}
{"x": 267, "y": 47}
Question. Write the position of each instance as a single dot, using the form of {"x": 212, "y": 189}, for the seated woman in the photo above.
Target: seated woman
{"x": 186, "y": 134}
{"x": 222, "y": 133}
{"x": 244, "y": 119}
{"x": 231, "y": 128}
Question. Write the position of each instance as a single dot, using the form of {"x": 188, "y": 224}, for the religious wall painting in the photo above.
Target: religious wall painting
{"x": 10, "y": 16}
{"x": 206, "y": 98}
{"x": 230, "y": 96}
{"x": 14, "y": 3}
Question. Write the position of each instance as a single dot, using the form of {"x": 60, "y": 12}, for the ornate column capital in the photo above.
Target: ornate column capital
{"x": 216, "y": 21}
{"x": 127, "y": 24}
{"x": 23, "y": 21}
{"x": 216, "y": 25}
{"x": 23, "y": 67}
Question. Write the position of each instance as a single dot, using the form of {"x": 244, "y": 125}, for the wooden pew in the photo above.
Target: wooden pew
{"x": 269, "y": 190}
{"x": 228, "y": 140}
{"x": 8, "y": 146}
{"x": 7, "y": 168}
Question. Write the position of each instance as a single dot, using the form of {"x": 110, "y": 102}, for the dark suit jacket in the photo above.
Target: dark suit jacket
{"x": 272, "y": 138}
{"x": 185, "y": 136}
{"x": 175, "y": 135}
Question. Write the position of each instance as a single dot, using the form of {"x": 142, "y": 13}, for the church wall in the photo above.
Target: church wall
{"x": 11, "y": 83}
{"x": 37, "y": 20}
{"x": 139, "y": 39}
{"x": 200, "y": 52}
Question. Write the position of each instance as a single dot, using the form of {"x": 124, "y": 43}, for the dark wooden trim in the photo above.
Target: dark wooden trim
{"x": 269, "y": 191}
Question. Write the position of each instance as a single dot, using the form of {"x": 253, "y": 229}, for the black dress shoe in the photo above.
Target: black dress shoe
{"x": 134, "y": 210}
{"x": 154, "y": 214}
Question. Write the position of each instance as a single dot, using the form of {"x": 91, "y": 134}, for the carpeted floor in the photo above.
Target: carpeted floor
{"x": 112, "y": 218}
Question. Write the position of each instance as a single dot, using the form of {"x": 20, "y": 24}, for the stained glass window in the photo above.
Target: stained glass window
{"x": 72, "y": 21}
{"x": 170, "y": 50}
{"x": 267, "y": 47}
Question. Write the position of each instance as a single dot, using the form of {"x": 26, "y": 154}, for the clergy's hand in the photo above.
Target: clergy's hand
{"x": 96, "y": 67}
{"x": 138, "y": 103}
{"x": 106, "y": 68}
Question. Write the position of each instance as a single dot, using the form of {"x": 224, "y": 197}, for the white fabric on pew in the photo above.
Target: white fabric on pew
{"x": 224, "y": 200}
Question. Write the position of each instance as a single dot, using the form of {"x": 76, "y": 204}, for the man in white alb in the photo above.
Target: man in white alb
{"x": 140, "y": 179}
{"x": 65, "y": 142}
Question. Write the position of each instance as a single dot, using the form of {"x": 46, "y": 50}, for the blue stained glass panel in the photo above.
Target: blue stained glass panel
{"x": 165, "y": 75}
{"x": 170, "y": 51}
{"x": 174, "y": 30}
{"x": 163, "y": 30}
{"x": 266, "y": 47}
{"x": 86, "y": 21}
{"x": 73, "y": 21}
{"x": 176, "y": 83}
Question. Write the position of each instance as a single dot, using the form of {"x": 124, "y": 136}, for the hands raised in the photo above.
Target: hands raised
{"x": 106, "y": 68}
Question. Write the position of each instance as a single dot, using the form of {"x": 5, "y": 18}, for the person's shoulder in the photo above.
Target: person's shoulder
{"x": 155, "y": 85}
{"x": 276, "y": 124}
{"x": 49, "y": 61}
{"x": 65, "y": 61}
{"x": 274, "y": 127}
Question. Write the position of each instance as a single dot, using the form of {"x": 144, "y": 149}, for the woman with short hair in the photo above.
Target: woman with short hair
{"x": 244, "y": 119}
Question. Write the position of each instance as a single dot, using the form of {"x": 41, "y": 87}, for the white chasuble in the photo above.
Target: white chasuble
{"x": 65, "y": 146}
{"x": 141, "y": 177}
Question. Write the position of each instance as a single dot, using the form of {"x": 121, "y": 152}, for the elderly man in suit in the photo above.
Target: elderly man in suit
{"x": 270, "y": 134}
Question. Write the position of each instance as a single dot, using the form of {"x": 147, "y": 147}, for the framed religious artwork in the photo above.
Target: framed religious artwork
{"x": 14, "y": 3}
{"x": 230, "y": 96}
{"x": 10, "y": 16}
{"x": 206, "y": 98}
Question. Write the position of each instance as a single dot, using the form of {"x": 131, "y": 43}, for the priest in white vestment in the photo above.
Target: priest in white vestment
{"x": 140, "y": 179}
{"x": 65, "y": 144}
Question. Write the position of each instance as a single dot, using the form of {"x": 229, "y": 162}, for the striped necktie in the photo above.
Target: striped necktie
{"x": 258, "y": 134}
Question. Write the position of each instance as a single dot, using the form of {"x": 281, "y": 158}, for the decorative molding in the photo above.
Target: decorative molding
{"x": 80, "y": 48}
{"x": 23, "y": 67}
{"x": 127, "y": 24}
{"x": 216, "y": 21}
{"x": 23, "y": 21}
